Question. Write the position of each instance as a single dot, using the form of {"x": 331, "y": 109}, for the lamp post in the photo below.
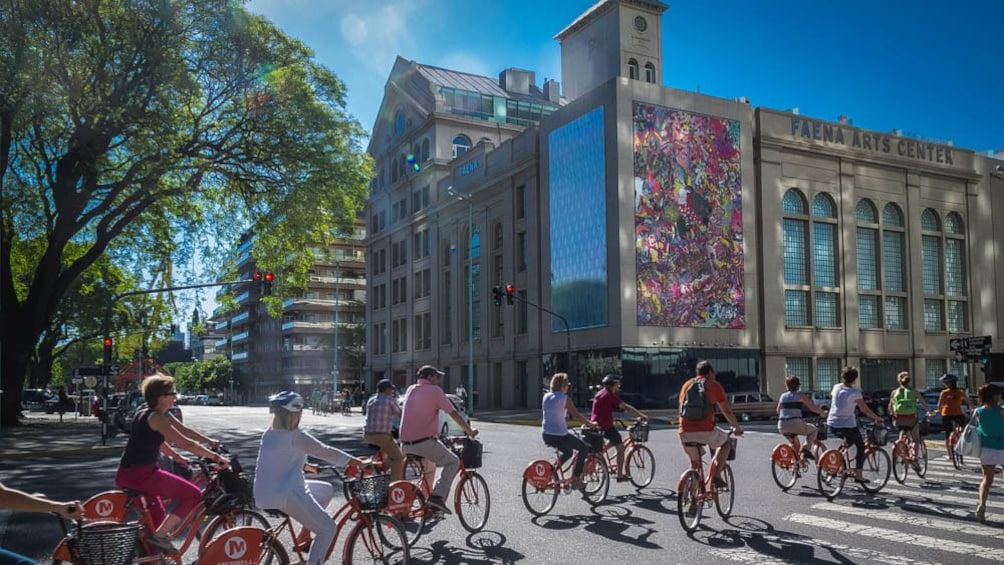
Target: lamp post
{"x": 470, "y": 294}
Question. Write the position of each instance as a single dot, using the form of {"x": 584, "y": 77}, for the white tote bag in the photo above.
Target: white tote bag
{"x": 969, "y": 441}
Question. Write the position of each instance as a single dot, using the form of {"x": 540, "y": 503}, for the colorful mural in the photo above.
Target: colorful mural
{"x": 688, "y": 219}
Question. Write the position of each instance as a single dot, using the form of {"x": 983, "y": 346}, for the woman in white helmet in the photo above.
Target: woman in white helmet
{"x": 279, "y": 481}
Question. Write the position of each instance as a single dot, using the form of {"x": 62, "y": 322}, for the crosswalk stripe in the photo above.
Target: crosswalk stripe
{"x": 853, "y": 554}
{"x": 910, "y": 519}
{"x": 926, "y": 542}
{"x": 921, "y": 494}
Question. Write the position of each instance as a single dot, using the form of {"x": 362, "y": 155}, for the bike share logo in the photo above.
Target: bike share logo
{"x": 104, "y": 508}
{"x": 235, "y": 547}
{"x": 539, "y": 470}
{"x": 397, "y": 495}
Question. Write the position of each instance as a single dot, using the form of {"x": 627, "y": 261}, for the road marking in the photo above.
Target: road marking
{"x": 789, "y": 542}
{"x": 911, "y": 519}
{"x": 933, "y": 495}
{"x": 926, "y": 542}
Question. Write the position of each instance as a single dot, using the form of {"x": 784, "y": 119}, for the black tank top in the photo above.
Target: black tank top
{"x": 144, "y": 442}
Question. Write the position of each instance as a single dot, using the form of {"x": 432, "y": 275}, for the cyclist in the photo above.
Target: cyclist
{"x": 138, "y": 470}
{"x": 420, "y": 427}
{"x": 555, "y": 408}
{"x": 279, "y": 480}
{"x": 704, "y": 430}
{"x": 381, "y": 410}
{"x": 950, "y": 406}
{"x": 990, "y": 427}
{"x": 903, "y": 407}
{"x": 845, "y": 397}
{"x": 12, "y": 499}
{"x": 791, "y": 409}
{"x": 604, "y": 404}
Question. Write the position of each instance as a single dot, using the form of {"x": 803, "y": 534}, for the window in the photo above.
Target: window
{"x": 955, "y": 273}
{"x": 827, "y": 373}
{"x": 934, "y": 369}
{"x": 812, "y": 283}
{"x": 419, "y": 199}
{"x": 893, "y": 268}
{"x": 521, "y": 251}
{"x": 521, "y": 202}
{"x": 423, "y": 331}
{"x": 446, "y": 300}
{"x": 934, "y": 269}
{"x": 399, "y": 335}
{"x": 497, "y": 237}
{"x": 633, "y": 69}
{"x": 650, "y": 73}
{"x": 869, "y": 315}
{"x": 398, "y": 122}
{"x": 521, "y": 319}
{"x": 461, "y": 145}
{"x": 421, "y": 244}
{"x": 799, "y": 367}
{"x": 425, "y": 150}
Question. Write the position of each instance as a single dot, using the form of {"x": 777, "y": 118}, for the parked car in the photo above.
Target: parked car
{"x": 752, "y": 405}
{"x": 201, "y": 399}
{"x": 126, "y": 410}
{"x": 821, "y": 398}
{"x": 214, "y": 400}
{"x": 447, "y": 427}
{"x": 638, "y": 400}
{"x": 33, "y": 399}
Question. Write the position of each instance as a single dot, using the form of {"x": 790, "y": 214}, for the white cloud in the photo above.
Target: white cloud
{"x": 464, "y": 61}
{"x": 353, "y": 29}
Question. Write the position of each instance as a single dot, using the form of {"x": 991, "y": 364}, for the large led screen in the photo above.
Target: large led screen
{"x": 688, "y": 219}
{"x": 578, "y": 222}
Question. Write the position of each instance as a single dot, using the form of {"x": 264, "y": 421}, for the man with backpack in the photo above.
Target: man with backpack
{"x": 698, "y": 398}
{"x": 604, "y": 404}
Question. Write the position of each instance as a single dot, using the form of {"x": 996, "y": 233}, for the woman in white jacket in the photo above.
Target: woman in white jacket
{"x": 279, "y": 481}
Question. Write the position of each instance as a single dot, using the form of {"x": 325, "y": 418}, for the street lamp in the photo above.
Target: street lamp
{"x": 470, "y": 294}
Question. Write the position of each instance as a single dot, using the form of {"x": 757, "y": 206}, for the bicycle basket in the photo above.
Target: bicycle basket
{"x": 639, "y": 432}
{"x": 593, "y": 438}
{"x": 107, "y": 543}
{"x": 470, "y": 451}
{"x": 733, "y": 443}
{"x": 371, "y": 491}
{"x": 878, "y": 435}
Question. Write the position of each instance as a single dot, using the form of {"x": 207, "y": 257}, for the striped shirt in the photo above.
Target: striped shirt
{"x": 381, "y": 411}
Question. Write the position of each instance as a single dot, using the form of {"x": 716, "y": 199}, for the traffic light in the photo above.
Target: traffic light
{"x": 108, "y": 343}
{"x": 174, "y": 329}
{"x": 497, "y": 293}
{"x": 985, "y": 366}
{"x": 509, "y": 292}
{"x": 266, "y": 287}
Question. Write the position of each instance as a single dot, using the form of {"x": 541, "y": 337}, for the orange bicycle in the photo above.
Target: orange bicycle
{"x": 544, "y": 480}
{"x": 834, "y": 466}
{"x": 953, "y": 439}
{"x": 639, "y": 463}
{"x": 907, "y": 453}
{"x": 788, "y": 461}
{"x": 694, "y": 491}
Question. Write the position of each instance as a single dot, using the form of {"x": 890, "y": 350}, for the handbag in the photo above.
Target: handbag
{"x": 969, "y": 440}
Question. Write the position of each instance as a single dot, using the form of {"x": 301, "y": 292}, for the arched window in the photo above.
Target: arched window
{"x": 633, "y": 69}
{"x": 650, "y": 73}
{"x": 497, "y": 236}
{"x": 955, "y": 273}
{"x": 869, "y": 295}
{"x": 929, "y": 220}
{"x": 812, "y": 282}
{"x": 892, "y": 216}
{"x": 953, "y": 223}
{"x": 393, "y": 171}
{"x": 865, "y": 212}
{"x": 461, "y": 145}
{"x": 425, "y": 150}
{"x": 398, "y": 121}
{"x": 932, "y": 267}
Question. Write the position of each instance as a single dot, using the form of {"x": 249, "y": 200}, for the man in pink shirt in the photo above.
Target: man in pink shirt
{"x": 604, "y": 404}
{"x": 420, "y": 426}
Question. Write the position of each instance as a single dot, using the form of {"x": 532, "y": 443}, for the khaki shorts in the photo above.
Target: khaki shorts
{"x": 713, "y": 439}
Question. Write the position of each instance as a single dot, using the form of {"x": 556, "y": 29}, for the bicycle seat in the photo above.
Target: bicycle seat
{"x": 694, "y": 444}
{"x": 275, "y": 513}
{"x": 134, "y": 493}
{"x": 791, "y": 436}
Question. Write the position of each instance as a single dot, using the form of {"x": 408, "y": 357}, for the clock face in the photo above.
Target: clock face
{"x": 640, "y": 24}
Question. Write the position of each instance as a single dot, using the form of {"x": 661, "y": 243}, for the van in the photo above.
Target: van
{"x": 752, "y": 405}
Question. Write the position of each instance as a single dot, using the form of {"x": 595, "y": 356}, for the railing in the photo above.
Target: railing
{"x": 239, "y": 356}
{"x": 308, "y": 325}
{"x": 246, "y": 246}
{"x": 239, "y": 337}
{"x": 303, "y": 347}
{"x": 243, "y": 296}
{"x": 239, "y": 318}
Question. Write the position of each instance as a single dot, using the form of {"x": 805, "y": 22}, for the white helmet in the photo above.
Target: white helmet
{"x": 287, "y": 399}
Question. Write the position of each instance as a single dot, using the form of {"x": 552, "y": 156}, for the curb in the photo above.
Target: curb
{"x": 60, "y": 452}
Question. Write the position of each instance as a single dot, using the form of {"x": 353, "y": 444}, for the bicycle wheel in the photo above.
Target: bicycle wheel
{"x": 596, "y": 475}
{"x": 472, "y": 501}
{"x": 688, "y": 507}
{"x": 539, "y": 500}
{"x": 234, "y": 519}
{"x": 377, "y": 538}
{"x": 273, "y": 554}
{"x": 415, "y": 522}
{"x": 725, "y": 497}
{"x": 640, "y": 465}
{"x": 784, "y": 466}
{"x": 900, "y": 461}
{"x": 954, "y": 455}
{"x": 876, "y": 470}
{"x": 830, "y": 473}
{"x": 920, "y": 464}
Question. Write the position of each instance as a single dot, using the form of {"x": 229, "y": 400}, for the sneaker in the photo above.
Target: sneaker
{"x": 437, "y": 503}
{"x": 162, "y": 543}
{"x": 981, "y": 513}
{"x": 807, "y": 454}
{"x": 720, "y": 483}
{"x": 578, "y": 483}
{"x": 623, "y": 478}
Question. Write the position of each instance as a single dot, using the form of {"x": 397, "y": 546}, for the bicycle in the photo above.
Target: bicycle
{"x": 788, "y": 461}
{"x": 376, "y": 537}
{"x": 471, "y": 497}
{"x": 544, "y": 480}
{"x": 695, "y": 491}
{"x": 639, "y": 463}
{"x": 833, "y": 468}
{"x": 953, "y": 439}
{"x": 907, "y": 453}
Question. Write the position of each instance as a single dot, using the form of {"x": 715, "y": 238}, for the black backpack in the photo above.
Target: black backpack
{"x": 695, "y": 402}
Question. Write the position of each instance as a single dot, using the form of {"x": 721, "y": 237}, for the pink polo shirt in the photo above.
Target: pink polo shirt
{"x": 420, "y": 416}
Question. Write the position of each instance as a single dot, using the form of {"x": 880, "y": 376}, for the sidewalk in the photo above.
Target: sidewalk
{"x": 43, "y": 435}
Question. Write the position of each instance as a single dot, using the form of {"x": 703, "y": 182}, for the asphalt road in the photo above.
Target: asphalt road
{"x": 928, "y": 521}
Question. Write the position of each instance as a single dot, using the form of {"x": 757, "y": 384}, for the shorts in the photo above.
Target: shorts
{"x": 713, "y": 439}
{"x": 990, "y": 456}
{"x": 948, "y": 423}
{"x": 906, "y": 421}
{"x": 613, "y": 436}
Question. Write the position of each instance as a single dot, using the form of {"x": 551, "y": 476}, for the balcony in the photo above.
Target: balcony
{"x": 239, "y": 337}
{"x": 246, "y": 246}
{"x": 221, "y": 342}
{"x": 239, "y": 318}
{"x": 243, "y": 355}
{"x": 243, "y": 297}
{"x": 220, "y": 326}
{"x": 243, "y": 258}
{"x": 295, "y": 325}
{"x": 303, "y": 347}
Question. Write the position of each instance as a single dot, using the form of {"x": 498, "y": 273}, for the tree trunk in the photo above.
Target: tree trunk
{"x": 17, "y": 346}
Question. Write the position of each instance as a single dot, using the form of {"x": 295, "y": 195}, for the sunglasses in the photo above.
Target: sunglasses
{"x": 170, "y": 394}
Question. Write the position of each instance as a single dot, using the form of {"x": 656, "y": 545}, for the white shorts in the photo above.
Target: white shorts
{"x": 991, "y": 456}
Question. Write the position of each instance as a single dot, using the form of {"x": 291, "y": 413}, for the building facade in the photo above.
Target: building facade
{"x": 645, "y": 228}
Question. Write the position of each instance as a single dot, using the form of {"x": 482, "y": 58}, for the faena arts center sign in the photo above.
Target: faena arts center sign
{"x": 836, "y": 134}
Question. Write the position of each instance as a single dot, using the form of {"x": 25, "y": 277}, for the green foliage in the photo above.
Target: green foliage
{"x": 212, "y": 375}
{"x": 154, "y": 132}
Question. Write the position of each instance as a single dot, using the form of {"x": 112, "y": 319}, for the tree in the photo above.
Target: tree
{"x": 159, "y": 130}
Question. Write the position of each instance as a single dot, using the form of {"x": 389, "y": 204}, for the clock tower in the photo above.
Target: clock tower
{"x": 612, "y": 38}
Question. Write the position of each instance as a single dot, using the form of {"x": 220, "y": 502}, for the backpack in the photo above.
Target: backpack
{"x": 904, "y": 401}
{"x": 695, "y": 402}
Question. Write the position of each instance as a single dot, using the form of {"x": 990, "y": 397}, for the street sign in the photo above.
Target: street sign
{"x": 77, "y": 380}
{"x": 114, "y": 370}
{"x": 957, "y": 344}
{"x": 978, "y": 345}
{"x": 90, "y": 381}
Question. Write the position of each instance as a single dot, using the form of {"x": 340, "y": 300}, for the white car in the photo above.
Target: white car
{"x": 447, "y": 427}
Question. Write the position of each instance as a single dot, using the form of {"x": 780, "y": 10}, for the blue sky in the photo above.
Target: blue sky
{"x": 934, "y": 70}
